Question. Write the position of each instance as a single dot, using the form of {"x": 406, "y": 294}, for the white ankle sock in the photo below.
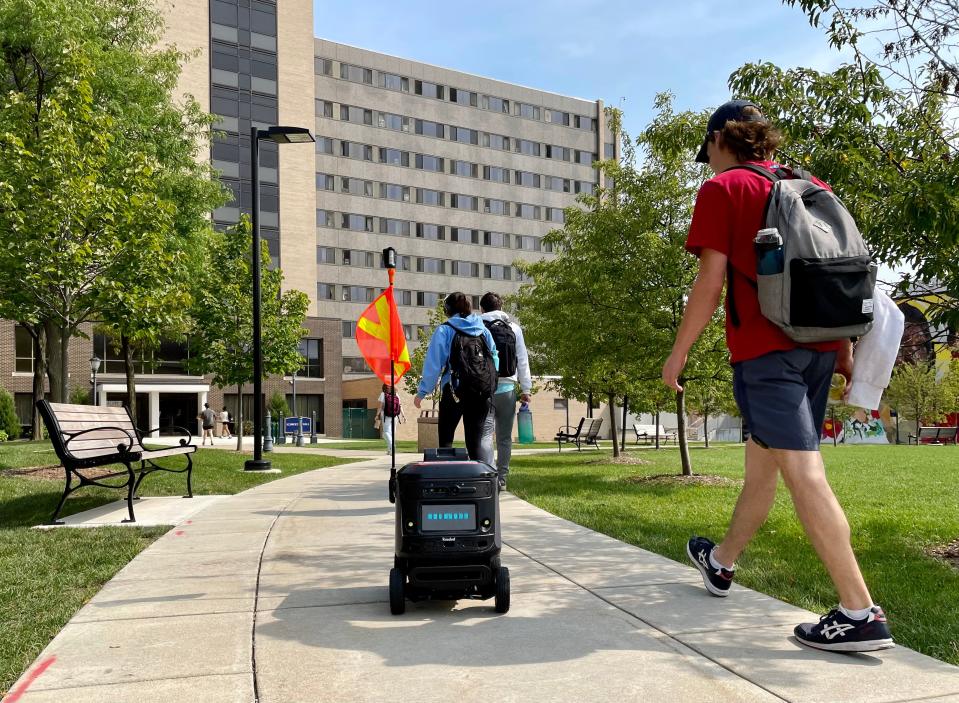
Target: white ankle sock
{"x": 716, "y": 565}
{"x": 855, "y": 614}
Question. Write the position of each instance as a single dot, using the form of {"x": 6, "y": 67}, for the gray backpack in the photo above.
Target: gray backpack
{"x": 825, "y": 289}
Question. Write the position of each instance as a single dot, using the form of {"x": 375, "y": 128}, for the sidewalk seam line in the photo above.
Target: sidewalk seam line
{"x": 137, "y": 681}
{"x": 649, "y": 624}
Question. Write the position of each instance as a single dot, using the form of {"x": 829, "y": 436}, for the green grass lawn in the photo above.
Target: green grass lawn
{"x": 47, "y": 575}
{"x": 409, "y": 445}
{"x": 899, "y": 500}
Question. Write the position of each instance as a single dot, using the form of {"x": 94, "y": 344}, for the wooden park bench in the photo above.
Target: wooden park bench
{"x": 934, "y": 435}
{"x": 86, "y": 437}
{"x": 587, "y": 432}
{"x": 650, "y": 433}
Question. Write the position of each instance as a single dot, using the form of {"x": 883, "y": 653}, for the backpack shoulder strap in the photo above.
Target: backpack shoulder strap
{"x": 775, "y": 177}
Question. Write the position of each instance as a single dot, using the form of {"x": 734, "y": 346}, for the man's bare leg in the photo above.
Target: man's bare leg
{"x": 825, "y": 523}
{"x": 754, "y": 503}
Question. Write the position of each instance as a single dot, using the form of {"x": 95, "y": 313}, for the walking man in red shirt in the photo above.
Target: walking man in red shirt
{"x": 780, "y": 386}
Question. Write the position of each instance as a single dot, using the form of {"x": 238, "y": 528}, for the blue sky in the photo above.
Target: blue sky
{"x": 609, "y": 50}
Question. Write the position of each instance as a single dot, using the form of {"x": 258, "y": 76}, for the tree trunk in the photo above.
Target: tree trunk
{"x": 625, "y": 406}
{"x": 589, "y": 405}
{"x": 131, "y": 381}
{"x": 612, "y": 422}
{"x": 239, "y": 416}
{"x": 57, "y": 362}
{"x": 835, "y": 430}
{"x": 39, "y": 375}
{"x": 656, "y": 428}
{"x": 681, "y": 433}
{"x": 706, "y": 428}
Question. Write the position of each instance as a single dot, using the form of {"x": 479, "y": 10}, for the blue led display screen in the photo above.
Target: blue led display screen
{"x": 444, "y": 518}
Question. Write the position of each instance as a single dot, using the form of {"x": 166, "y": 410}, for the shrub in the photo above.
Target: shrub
{"x": 9, "y": 422}
{"x": 3, "y": 436}
{"x": 80, "y": 396}
{"x": 277, "y": 406}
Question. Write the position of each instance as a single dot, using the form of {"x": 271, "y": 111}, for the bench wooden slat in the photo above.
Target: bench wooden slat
{"x": 169, "y": 451}
{"x": 73, "y": 426}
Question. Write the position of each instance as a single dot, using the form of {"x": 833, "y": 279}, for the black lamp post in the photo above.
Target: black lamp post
{"x": 94, "y": 367}
{"x": 280, "y": 135}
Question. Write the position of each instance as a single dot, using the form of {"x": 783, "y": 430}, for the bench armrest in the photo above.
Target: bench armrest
{"x": 121, "y": 447}
{"x": 184, "y": 430}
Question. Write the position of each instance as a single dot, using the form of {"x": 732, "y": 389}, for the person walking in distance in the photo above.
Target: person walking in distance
{"x": 208, "y": 420}
{"x": 513, "y": 366}
{"x": 389, "y": 407}
{"x": 462, "y": 355}
{"x": 780, "y": 386}
{"x": 225, "y": 424}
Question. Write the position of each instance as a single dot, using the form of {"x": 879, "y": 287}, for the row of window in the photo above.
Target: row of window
{"x": 420, "y": 264}
{"x": 412, "y": 298}
{"x": 429, "y": 231}
{"x": 438, "y": 198}
{"x": 455, "y": 167}
{"x": 463, "y": 135}
{"x": 392, "y": 81}
{"x": 255, "y": 16}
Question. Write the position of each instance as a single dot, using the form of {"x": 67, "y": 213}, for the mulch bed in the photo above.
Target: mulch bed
{"x": 48, "y": 473}
{"x": 622, "y": 459}
{"x": 680, "y": 480}
{"x": 948, "y": 553}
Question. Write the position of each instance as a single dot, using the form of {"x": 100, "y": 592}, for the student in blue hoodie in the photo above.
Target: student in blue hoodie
{"x": 459, "y": 310}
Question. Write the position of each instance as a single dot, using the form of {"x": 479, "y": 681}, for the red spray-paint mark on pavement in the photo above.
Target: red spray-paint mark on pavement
{"x": 189, "y": 522}
{"x": 179, "y": 533}
{"x": 18, "y": 692}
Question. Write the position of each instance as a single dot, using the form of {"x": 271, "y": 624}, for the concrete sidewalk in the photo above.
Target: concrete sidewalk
{"x": 279, "y": 594}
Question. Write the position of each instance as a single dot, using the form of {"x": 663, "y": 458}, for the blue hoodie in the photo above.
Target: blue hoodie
{"x": 438, "y": 352}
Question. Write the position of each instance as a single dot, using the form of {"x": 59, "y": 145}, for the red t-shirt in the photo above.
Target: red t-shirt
{"x": 728, "y": 213}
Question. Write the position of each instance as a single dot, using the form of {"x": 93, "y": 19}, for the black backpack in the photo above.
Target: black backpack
{"x": 472, "y": 374}
{"x": 505, "y": 340}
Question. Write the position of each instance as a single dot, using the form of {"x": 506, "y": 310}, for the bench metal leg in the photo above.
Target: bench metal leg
{"x": 67, "y": 490}
{"x": 131, "y": 485}
{"x": 189, "y": 476}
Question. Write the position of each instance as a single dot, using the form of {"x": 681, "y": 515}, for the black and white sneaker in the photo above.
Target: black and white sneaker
{"x": 502, "y": 483}
{"x": 717, "y": 581}
{"x": 836, "y": 632}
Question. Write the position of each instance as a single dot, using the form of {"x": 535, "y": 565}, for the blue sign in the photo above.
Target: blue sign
{"x": 291, "y": 425}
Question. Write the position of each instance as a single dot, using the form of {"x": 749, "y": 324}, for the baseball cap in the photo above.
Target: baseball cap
{"x": 732, "y": 110}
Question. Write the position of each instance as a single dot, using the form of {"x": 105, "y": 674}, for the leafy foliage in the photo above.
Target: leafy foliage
{"x": 9, "y": 422}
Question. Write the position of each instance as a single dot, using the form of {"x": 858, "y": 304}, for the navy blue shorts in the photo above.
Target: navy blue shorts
{"x": 782, "y": 397}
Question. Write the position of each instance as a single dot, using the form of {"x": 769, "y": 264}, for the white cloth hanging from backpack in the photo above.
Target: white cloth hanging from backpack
{"x": 876, "y": 353}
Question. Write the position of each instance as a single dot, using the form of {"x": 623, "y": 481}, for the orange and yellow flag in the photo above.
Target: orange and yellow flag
{"x": 379, "y": 335}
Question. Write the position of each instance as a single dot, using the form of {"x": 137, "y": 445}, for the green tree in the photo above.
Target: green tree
{"x": 278, "y": 406}
{"x": 221, "y": 338}
{"x": 709, "y": 396}
{"x": 915, "y": 394}
{"x": 99, "y": 184}
{"x": 604, "y": 312}
{"x": 9, "y": 422}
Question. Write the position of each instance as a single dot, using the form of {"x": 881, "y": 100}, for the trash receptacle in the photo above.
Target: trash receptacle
{"x": 428, "y": 430}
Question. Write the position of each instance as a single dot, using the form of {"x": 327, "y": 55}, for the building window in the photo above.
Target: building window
{"x": 356, "y": 186}
{"x": 394, "y": 157}
{"x": 555, "y": 214}
{"x": 391, "y": 81}
{"x": 525, "y": 146}
{"x": 559, "y": 153}
{"x": 429, "y": 163}
{"x": 609, "y": 150}
{"x": 392, "y": 191}
{"x": 349, "y": 329}
{"x": 425, "y": 196}
{"x": 585, "y": 187}
{"x": 325, "y": 255}
{"x": 496, "y": 141}
{"x": 324, "y": 181}
{"x": 496, "y": 174}
{"x": 527, "y": 211}
{"x": 464, "y": 136}
{"x": 355, "y": 364}
{"x": 403, "y": 297}
{"x": 464, "y": 202}
{"x": 397, "y": 123}
{"x": 398, "y": 227}
{"x": 429, "y": 90}
{"x": 527, "y": 243}
{"x": 357, "y": 115}
{"x": 24, "y": 350}
{"x": 463, "y": 97}
{"x": 560, "y": 185}
{"x": 495, "y": 207}
{"x": 428, "y": 265}
{"x": 311, "y": 350}
{"x": 525, "y": 178}
{"x": 324, "y": 67}
{"x": 496, "y": 239}
{"x": 467, "y": 269}
{"x": 464, "y": 168}
{"x": 560, "y": 404}
{"x": 356, "y": 257}
{"x": 357, "y": 294}
{"x": 357, "y": 223}
{"x": 357, "y": 74}
{"x": 557, "y": 117}
{"x": 583, "y": 122}
{"x": 430, "y": 232}
{"x": 496, "y": 272}
{"x": 324, "y": 218}
{"x": 464, "y": 235}
{"x": 495, "y": 104}
{"x": 586, "y": 158}
{"x": 324, "y": 145}
{"x": 430, "y": 129}
{"x": 325, "y": 291}
{"x": 530, "y": 112}
{"x": 355, "y": 150}
{"x": 426, "y": 299}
